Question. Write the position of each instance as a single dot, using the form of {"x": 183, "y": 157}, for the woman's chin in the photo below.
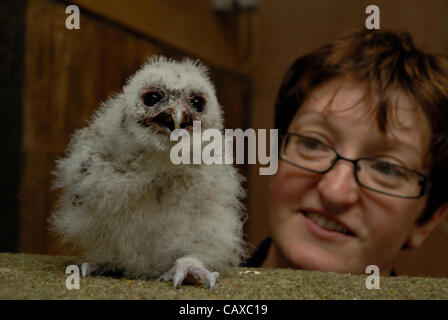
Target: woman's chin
{"x": 309, "y": 257}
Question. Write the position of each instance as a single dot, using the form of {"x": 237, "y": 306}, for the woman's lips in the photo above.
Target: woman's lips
{"x": 325, "y": 228}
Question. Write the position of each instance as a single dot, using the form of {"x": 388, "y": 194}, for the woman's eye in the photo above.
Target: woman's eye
{"x": 198, "y": 102}
{"x": 312, "y": 144}
{"x": 388, "y": 169}
{"x": 151, "y": 98}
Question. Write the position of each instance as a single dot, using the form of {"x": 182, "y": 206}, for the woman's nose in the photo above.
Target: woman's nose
{"x": 338, "y": 187}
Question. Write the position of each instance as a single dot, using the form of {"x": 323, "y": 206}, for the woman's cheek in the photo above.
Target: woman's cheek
{"x": 288, "y": 185}
{"x": 391, "y": 221}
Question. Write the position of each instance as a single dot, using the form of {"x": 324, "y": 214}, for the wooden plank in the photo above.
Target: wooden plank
{"x": 190, "y": 26}
{"x": 429, "y": 259}
{"x": 12, "y": 14}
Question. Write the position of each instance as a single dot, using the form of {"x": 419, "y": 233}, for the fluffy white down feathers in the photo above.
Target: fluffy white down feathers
{"x": 124, "y": 205}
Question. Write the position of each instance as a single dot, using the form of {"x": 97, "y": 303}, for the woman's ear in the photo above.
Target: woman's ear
{"x": 421, "y": 231}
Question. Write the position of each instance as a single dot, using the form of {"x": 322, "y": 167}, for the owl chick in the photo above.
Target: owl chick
{"x": 127, "y": 207}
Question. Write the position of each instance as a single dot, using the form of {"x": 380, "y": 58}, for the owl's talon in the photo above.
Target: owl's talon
{"x": 179, "y": 277}
{"x": 88, "y": 268}
{"x": 167, "y": 276}
{"x": 193, "y": 267}
{"x": 212, "y": 280}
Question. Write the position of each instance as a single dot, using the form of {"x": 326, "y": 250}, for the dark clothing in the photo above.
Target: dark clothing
{"x": 259, "y": 256}
{"x": 261, "y": 253}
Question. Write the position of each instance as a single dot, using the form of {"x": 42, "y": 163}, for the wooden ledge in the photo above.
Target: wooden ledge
{"x": 26, "y": 276}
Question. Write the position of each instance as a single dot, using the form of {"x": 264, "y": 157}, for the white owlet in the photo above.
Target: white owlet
{"x": 123, "y": 202}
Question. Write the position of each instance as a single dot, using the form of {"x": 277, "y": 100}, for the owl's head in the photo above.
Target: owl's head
{"x": 165, "y": 95}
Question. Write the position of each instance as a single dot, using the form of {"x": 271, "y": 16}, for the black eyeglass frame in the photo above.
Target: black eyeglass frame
{"x": 424, "y": 182}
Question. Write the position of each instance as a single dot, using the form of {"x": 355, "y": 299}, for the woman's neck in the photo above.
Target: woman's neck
{"x": 275, "y": 259}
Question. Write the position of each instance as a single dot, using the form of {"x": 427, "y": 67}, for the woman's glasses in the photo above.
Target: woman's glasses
{"x": 376, "y": 175}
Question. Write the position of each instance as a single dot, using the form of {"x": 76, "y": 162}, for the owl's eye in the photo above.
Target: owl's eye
{"x": 198, "y": 102}
{"x": 152, "y": 97}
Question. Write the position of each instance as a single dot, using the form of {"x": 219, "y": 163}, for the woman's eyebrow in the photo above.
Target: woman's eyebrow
{"x": 314, "y": 118}
{"x": 414, "y": 154}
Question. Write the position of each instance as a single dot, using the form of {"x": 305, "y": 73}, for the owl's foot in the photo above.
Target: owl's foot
{"x": 192, "y": 270}
{"x": 88, "y": 268}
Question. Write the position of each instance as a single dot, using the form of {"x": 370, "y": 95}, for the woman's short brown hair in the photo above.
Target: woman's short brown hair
{"x": 386, "y": 62}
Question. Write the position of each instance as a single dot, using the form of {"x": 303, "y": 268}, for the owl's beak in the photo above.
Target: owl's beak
{"x": 177, "y": 116}
{"x": 181, "y": 115}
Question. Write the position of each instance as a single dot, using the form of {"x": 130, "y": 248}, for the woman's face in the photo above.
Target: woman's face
{"x": 337, "y": 115}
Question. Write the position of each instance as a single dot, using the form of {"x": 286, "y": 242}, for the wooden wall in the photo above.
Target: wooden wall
{"x": 12, "y": 42}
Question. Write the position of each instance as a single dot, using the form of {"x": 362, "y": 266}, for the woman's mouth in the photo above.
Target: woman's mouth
{"x": 325, "y": 227}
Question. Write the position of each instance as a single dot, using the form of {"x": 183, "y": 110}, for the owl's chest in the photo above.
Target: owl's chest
{"x": 162, "y": 217}
{"x": 165, "y": 191}
{"x": 155, "y": 205}
{"x": 166, "y": 199}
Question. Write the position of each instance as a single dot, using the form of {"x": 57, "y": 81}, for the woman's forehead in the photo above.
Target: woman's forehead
{"x": 346, "y": 98}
